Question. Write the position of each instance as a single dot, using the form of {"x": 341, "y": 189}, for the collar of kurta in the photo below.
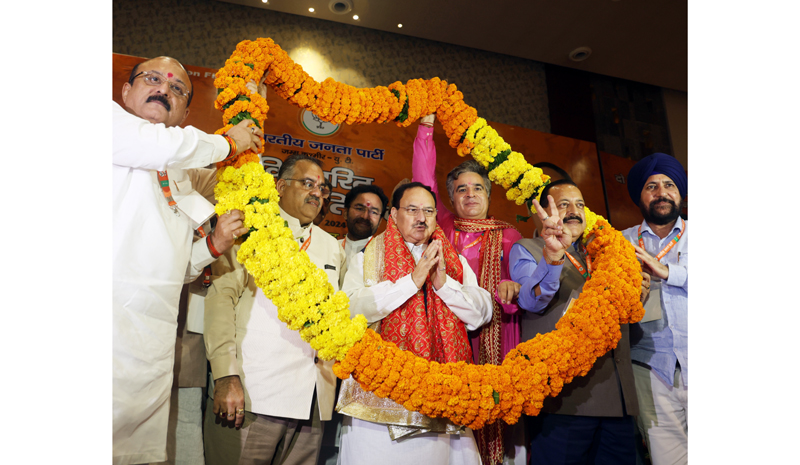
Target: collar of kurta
{"x": 294, "y": 225}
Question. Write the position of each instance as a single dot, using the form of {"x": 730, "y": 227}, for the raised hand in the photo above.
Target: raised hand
{"x": 557, "y": 238}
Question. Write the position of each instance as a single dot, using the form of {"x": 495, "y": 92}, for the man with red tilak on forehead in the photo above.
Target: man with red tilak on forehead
{"x": 156, "y": 207}
{"x": 486, "y": 244}
{"x": 423, "y": 295}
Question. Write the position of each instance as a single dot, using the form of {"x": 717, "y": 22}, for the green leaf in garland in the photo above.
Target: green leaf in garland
{"x": 250, "y": 65}
{"x": 256, "y": 199}
{"x": 496, "y": 396}
{"x": 243, "y": 98}
{"x": 499, "y": 159}
{"x": 243, "y": 116}
{"x": 524, "y": 219}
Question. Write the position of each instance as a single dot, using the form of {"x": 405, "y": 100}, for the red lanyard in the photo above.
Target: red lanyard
{"x": 307, "y": 242}
{"x": 472, "y": 244}
{"x": 163, "y": 180}
{"x": 667, "y": 247}
{"x": 586, "y": 273}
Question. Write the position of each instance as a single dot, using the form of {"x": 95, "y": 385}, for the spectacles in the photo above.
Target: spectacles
{"x": 310, "y": 185}
{"x": 429, "y": 212}
{"x": 155, "y": 79}
{"x": 361, "y": 209}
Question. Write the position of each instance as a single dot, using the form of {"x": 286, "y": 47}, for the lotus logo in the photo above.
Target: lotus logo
{"x": 316, "y": 125}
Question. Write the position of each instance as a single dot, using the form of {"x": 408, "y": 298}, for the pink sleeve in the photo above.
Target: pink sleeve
{"x": 423, "y": 169}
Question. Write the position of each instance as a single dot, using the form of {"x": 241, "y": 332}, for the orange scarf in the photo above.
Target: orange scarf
{"x": 423, "y": 324}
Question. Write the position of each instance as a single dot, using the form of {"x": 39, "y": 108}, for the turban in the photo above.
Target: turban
{"x": 657, "y": 163}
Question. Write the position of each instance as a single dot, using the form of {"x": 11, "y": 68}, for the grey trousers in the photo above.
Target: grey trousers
{"x": 263, "y": 440}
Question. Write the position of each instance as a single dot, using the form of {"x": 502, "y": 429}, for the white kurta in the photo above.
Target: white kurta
{"x": 366, "y": 443}
{"x": 243, "y": 335}
{"x": 152, "y": 256}
{"x": 351, "y": 249}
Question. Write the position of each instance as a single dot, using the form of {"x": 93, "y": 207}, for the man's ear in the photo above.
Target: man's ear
{"x": 125, "y": 89}
{"x": 393, "y": 214}
{"x": 280, "y": 186}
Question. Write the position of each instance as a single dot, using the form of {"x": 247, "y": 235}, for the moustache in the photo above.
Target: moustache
{"x": 421, "y": 223}
{"x": 573, "y": 217}
{"x": 313, "y": 197}
{"x": 658, "y": 201}
{"x": 161, "y": 98}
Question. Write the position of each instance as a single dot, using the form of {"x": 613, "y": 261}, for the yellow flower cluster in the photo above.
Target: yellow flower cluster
{"x": 301, "y": 291}
{"x": 471, "y": 395}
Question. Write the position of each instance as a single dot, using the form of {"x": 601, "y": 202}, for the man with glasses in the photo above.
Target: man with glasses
{"x": 271, "y": 394}
{"x": 157, "y": 204}
{"x": 486, "y": 244}
{"x": 410, "y": 282}
{"x": 364, "y": 207}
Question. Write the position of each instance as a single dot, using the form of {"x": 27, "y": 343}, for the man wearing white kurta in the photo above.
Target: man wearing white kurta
{"x": 152, "y": 251}
{"x": 264, "y": 373}
{"x": 379, "y": 298}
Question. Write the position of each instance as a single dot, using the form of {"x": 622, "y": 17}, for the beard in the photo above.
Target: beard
{"x": 653, "y": 216}
{"x": 359, "y": 229}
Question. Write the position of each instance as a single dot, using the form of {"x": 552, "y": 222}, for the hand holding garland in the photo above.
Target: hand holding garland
{"x": 229, "y": 227}
{"x": 245, "y": 137}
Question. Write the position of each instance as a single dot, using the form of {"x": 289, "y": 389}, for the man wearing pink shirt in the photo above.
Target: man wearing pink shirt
{"x": 486, "y": 244}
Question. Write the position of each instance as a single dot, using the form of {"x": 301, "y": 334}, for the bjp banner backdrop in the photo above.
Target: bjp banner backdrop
{"x": 381, "y": 154}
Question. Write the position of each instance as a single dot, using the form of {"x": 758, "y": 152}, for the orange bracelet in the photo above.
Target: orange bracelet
{"x": 214, "y": 252}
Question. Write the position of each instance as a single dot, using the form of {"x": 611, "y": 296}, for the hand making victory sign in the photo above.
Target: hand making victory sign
{"x": 557, "y": 238}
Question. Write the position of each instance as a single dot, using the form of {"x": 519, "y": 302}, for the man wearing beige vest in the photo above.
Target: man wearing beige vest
{"x": 271, "y": 393}
{"x": 591, "y": 421}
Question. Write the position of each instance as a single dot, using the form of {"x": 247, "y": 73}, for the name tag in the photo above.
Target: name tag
{"x": 330, "y": 267}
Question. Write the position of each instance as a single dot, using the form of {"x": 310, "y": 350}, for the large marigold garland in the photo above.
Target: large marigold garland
{"x": 470, "y": 395}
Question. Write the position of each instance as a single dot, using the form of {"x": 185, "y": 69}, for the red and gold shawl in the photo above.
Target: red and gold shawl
{"x": 423, "y": 324}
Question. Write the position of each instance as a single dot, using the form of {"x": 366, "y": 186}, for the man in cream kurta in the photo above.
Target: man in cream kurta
{"x": 368, "y": 442}
{"x": 265, "y": 375}
{"x": 152, "y": 252}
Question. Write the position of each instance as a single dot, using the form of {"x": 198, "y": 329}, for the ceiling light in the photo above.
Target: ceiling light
{"x": 340, "y": 7}
{"x": 399, "y": 25}
{"x": 580, "y": 54}
{"x": 355, "y": 17}
{"x": 264, "y": 1}
{"x": 311, "y": 10}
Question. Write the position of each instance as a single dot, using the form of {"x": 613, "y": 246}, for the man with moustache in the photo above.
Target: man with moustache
{"x": 410, "y": 283}
{"x": 486, "y": 244}
{"x": 659, "y": 343}
{"x": 271, "y": 394}
{"x": 156, "y": 209}
{"x": 364, "y": 207}
{"x": 591, "y": 421}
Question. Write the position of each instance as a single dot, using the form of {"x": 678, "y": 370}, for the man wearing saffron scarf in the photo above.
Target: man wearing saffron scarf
{"x": 659, "y": 343}
{"x": 486, "y": 244}
{"x": 423, "y": 296}
{"x": 591, "y": 420}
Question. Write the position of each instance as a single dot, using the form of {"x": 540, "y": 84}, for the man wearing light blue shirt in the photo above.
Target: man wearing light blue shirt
{"x": 659, "y": 343}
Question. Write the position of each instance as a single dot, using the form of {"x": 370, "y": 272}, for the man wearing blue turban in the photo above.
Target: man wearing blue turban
{"x": 658, "y": 185}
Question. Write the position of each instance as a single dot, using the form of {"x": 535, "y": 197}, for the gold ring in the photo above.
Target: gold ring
{"x": 235, "y": 237}
{"x": 240, "y": 411}
{"x": 230, "y": 415}
{"x": 222, "y": 414}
